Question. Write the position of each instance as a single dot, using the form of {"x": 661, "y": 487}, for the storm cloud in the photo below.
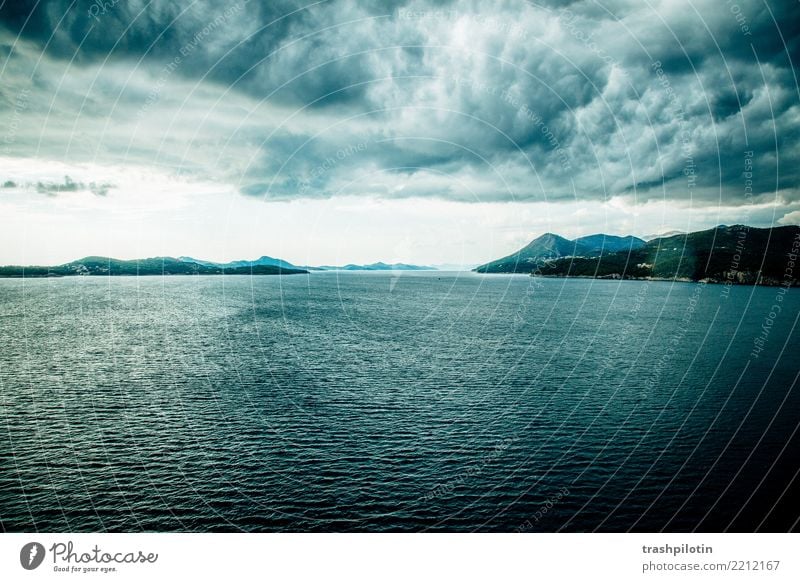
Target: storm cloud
{"x": 692, "y": 102}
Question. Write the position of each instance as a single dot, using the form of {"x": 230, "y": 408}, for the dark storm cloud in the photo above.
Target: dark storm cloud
{"x": 518, "y": 100}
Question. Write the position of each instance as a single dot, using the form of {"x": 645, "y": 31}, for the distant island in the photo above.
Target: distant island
{"x": 185, "y": 266}
{"x": 273, "y": 262}
{"x": 725, "y": 254}
{"x": 374, "y": 267}
{"x": 141, "y": 267}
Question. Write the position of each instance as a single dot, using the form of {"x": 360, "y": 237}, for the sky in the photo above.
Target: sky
{"x": 426, "y": 132}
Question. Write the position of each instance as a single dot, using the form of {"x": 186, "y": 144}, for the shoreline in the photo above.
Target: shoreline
{"x": 69, "y": 276}
{"x": 765, "y": 283}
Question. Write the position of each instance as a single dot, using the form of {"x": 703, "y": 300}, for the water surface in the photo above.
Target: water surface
{"x": 396, "y": 402}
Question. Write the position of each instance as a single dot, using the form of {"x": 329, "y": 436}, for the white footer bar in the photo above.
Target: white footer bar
{"x": 376, "y": 557}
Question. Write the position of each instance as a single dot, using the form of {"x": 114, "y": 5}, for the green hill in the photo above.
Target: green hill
{"x": 551, "y": 246}
{"x": 140, "y": 267}
{"x": 736, "y": 254}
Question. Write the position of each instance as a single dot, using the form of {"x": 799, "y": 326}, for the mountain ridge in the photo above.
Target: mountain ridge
{"x": 184, "y": 265}
{"x": 379, "y": 266}
{"x": 736, "y": 254}
{"x": 271, "y": 261}
{"x": 553, "y": 246}
{"x": 107, "y": 266}
{"x": 261, "y": 261}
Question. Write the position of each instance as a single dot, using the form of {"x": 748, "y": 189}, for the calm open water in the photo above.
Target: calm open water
{"x": 376, "y": 402}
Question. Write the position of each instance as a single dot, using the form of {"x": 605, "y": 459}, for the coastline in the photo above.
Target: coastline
{"x": 769, "y": 282}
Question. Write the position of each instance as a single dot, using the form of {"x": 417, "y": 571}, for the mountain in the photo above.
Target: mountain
{"x": 663, "y": 234}
{"x": 188, "y": 266}
{"x": 454, "y": 266}
{"x": 280, "y": 263}
{"x": 261, "y": 261}
{"x": 153, "y": 266}
{"x": 724, "y": 254}
{"x": 376, "y": 267}
{"x": 198, "y": 261}
{"x": 547, "y": 246}
{"x": 606, "y": 243}
{"x": 552, "y": 246}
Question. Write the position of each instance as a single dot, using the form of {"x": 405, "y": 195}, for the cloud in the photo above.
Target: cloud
{"x": 693, "y": 103}
{"x": 790, "y": 218}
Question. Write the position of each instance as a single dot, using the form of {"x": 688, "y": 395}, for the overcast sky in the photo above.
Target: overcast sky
{"x": 427, "y": 132}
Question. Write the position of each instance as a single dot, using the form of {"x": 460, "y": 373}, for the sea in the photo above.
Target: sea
{"x": 397, "y": 402}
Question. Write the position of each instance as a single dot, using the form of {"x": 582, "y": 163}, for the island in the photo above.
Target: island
{"x": 142, "y": 267}
{"x": 735, "y": 254}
